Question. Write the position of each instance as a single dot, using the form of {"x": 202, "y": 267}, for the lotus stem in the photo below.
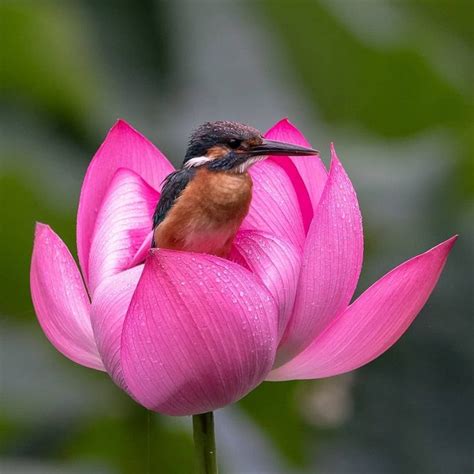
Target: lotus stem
{"x": 205, "y": 443}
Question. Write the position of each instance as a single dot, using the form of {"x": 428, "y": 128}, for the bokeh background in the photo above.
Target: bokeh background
{"x": 390, "y": 82}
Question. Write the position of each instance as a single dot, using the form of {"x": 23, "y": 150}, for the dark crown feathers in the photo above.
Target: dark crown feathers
{"x": 210, "y": 134}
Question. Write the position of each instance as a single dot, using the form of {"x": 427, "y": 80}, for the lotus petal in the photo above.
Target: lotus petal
{"x": 123, "y": 147}
{"x": 200, "y": 333}
{"x": 123, "y": 223}
{"x": 373, "y": 323}
{"x": 274, "y": 208}
{"x": 60, "y": 299}
{"x": 277, "y": 265}
{"x": 109, "y": 307}
{"x": 307, "y": 174}
{"x": 331, "y": 263}
{"x": 142, "y": 252}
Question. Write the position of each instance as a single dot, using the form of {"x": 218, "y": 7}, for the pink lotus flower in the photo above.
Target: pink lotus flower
{"x": 187, "y": 333}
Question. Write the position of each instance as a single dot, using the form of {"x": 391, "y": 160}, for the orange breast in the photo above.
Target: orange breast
{"x": 208, "y": 214}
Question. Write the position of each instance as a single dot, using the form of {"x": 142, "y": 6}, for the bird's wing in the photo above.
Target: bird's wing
{"x": 173, "y": 186}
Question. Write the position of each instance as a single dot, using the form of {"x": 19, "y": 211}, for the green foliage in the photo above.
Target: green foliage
{"x": 452, "y": 16}
{"x": 274, "y": 406}
{"x": 391, "y": 91}
{"x": 46, "y": 62}
{"x": 22, "y": 205}
{"x": 138, "y": 441}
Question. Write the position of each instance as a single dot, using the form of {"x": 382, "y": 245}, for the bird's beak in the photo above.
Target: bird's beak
{"x": 272, "y": 147}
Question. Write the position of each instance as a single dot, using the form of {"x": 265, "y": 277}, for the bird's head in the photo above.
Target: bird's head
{"x": 232, "y": 146}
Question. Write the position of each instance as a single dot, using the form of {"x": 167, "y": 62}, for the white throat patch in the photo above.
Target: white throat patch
{"x": 197, "y": 161}
{"x": 200, "y": 160}
{"x": 245, "y": 166}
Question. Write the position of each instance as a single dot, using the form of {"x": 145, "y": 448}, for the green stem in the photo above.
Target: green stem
{"x": 205, "y": 443}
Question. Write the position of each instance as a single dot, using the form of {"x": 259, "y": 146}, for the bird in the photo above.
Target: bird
{"x": 203, "y": 203}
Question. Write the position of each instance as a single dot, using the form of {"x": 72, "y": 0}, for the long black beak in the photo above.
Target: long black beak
{"x": 272, "y": 147}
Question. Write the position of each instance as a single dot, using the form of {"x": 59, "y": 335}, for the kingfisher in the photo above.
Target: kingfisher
{"x": 203, "y": 204}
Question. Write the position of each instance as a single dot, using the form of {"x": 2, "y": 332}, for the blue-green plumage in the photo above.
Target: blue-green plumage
{"x": 173, "y": 185}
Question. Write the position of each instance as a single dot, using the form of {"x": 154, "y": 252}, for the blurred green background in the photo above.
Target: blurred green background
{"x": 390, "y": 82}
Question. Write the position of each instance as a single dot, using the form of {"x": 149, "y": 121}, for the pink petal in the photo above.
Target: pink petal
{"x": 275, "y": 262}
{"x": 374, "y": 322}
{"x": 123, "y": 147}
{"x": 109, "y": 307}
{"x": 307, "y": 174}
{"x": 331, "y": 264}
{"x": 274, "y": 208}
{"x": 200, "y": 333}
{"x": 60, "y": 299}
{"x": 123, "y": 223}
{"x": 143, "y": 250}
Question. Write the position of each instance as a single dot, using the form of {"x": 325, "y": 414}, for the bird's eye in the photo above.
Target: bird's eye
{"x": 234, "y": 143}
